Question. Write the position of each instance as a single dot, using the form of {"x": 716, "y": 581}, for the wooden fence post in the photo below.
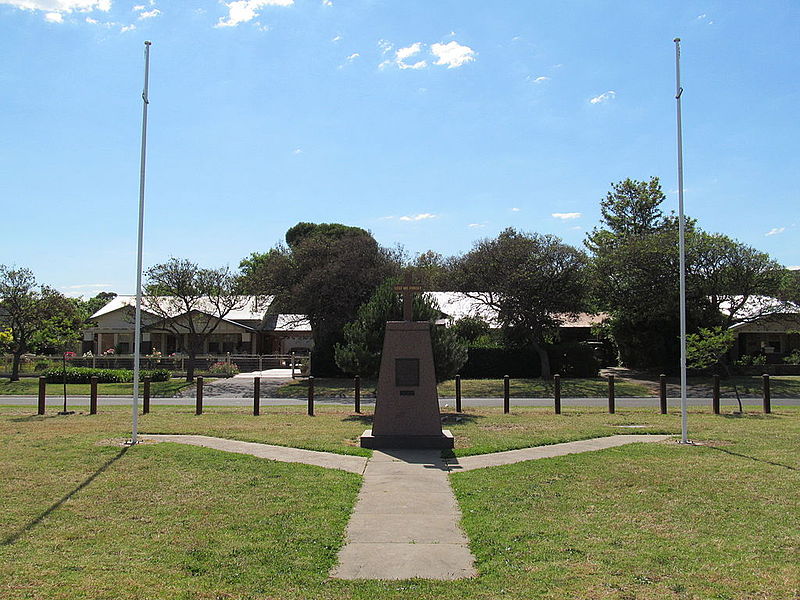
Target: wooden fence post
{"x": 715, "y": 396}
{"x": 767, "y": 401}
{"x": 663, "y": 393}
{"x": 42, "y": 394}
{"x": 458, "y": 393}
{"x": 611, "y": 396}
{"x": 256, "y": 396}
{"x": 198, "y": 403}
{"x": 93, "y": 396}
{"x": 557, "y": 392}
{"x": 506, "y": 393}
{"x": 146, "y": 397}
{"x": 311, "y": 396}
{"x": 357, "y": 393}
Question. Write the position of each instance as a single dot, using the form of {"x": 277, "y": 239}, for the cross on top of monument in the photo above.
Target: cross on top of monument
{"x": 407, "y": 289}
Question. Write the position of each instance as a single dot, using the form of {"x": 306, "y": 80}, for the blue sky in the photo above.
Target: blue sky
{"x": 430, "y": 123}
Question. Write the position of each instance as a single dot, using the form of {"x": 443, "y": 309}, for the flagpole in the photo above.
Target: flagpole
{"x": 137, "y": 345}
{"x": 681, "y": 243}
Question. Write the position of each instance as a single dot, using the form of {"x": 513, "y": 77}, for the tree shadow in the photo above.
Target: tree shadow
{"x": 30, "y": 418}
{"x": 33, "y": 523}
{"x": 455, "y": 418}
{"x": 363, "y": 419}
{"x": 761, "y": 460}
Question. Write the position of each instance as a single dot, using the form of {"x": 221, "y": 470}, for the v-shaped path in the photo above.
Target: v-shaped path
{"x": 406, "y": 521}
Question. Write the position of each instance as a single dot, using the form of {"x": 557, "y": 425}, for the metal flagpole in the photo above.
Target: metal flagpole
{"x": 681, "y": 243}
{"x": 137, "y": 345}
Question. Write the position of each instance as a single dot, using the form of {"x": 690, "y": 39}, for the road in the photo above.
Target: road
{"x": 83, "y": 401}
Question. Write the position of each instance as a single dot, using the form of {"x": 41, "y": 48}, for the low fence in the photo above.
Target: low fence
{"x": 35, "y": 365}
{"x": 766, "y": 397}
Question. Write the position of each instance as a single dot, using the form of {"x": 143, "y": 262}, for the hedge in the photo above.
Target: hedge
{"x": 569, "y": 359}
{"x": 85, "y": 374}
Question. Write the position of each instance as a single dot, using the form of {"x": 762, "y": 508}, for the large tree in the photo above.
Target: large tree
{"x": 634, "y": 276}
{"x": 534, "y": 282}
{"x": 325, "y": 271}
{"x": 360, "y": 353}
{"x": 190, "y": 301}
{"x": 634, "y": 272}
{"x": 36, "y": 317}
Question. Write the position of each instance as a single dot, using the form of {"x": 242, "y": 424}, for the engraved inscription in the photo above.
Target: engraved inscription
{"x": 406, "y": 372}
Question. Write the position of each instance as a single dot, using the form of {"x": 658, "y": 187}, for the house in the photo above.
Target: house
{"x": 768, "y": 327}
{"x": 254, "y": 329}
{"x": 251, "y": 329}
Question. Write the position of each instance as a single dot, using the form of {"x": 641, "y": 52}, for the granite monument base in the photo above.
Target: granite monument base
{"x": 375, "y": 442}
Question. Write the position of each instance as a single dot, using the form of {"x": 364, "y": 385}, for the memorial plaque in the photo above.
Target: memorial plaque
{"x": 406, "y": 372}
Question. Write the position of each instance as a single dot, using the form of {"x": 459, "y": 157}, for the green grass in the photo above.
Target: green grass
{"x": 29, "y": 386}
{"x": 82, "y": 518}
{"x": 472, "y": 388}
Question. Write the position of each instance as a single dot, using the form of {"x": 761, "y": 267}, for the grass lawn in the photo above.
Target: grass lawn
{"x": 81, "y": 517}
{"x": 29, "y": 386}
{"x": 473, "y": 388}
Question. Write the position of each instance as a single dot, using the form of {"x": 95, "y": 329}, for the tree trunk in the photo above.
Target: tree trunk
{"x": 15, "y": 366}
{"x": 544, "y": 360}
{"x": 190, "y": 366}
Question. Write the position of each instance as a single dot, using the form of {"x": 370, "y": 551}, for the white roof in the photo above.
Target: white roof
{"x": 458, "y": 305}
{"x": 756, "y": 307}
{"x": 251, "y": 308}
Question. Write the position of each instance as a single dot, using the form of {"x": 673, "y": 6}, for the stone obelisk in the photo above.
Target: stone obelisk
{"x": 407, "y": 403}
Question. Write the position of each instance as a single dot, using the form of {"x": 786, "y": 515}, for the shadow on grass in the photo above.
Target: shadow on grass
{"x": 761, "y": 460}
{"x": 363, "y": 419}
{"x": 30, "y": 418}
{"x": 27, "y": 527}
{"x": 451, "y": 418}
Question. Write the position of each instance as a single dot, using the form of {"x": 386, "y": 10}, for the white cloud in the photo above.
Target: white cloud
{"x": 404, "y": 53}
{"x": 541, "y": 79}
{"x": 605, "y": 97}
{"x": 243, "y": 11}
{"x": 353, "y": 56}
{"x": 701, "y": 17}
{"x": 327, "y": 3}
{"x": 776, "y": 231}
{"x": 297, "y": 151}
{"x": 91, "y": 21}
{"x": 476, "y": 225}
{"x": 336, "y": 38}
{"x": 385, "y": 46}
{"x": 567, "y": 216}
{"x": 419, "y": 217}
{"x": 60, "y": 6}
{"x": 54, "y": 17}
{"x": 125, "y": 28}
{"x": 515, "y": 209}
{"x": 421, "y": 64}
{"x": 452, "y": 54}
{"x": 150, "y": 14}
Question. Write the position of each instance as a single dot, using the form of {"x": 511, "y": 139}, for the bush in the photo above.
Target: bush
{"x": 223, "y": 369}
{"x": 574, "y": 360}
{"x": 85, "y": 374}
{"x": 487, "y": 363}
{"x": 793, "y": 358}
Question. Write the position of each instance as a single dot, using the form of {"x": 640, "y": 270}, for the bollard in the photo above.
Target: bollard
{"x": 256, "y": 396}
{"x": 93, "y": 396}
{"x": 458, "y": 393}
{"x": 663, "y": 393}
{"x": 715, "y": 396}
{"x": 42, "y": 395}
{"x": 506, "y": 393}
{"x": 357, "y": 393}
{"x": 766, "y": 398}
{"x": 146, "y": 397}
{"x": 611, "y": 398}
{"x": 557, "y": 392}
{"x": 198, "y": 403}
{"x": 311, "y": 396}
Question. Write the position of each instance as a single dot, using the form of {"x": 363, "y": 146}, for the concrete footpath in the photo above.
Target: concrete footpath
{"x": 406, "y": 520}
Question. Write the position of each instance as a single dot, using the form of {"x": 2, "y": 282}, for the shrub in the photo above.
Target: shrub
{"x": 223, "y": 369}
{"x": 793, "y": 358}
{"x": 85, "y": 374}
